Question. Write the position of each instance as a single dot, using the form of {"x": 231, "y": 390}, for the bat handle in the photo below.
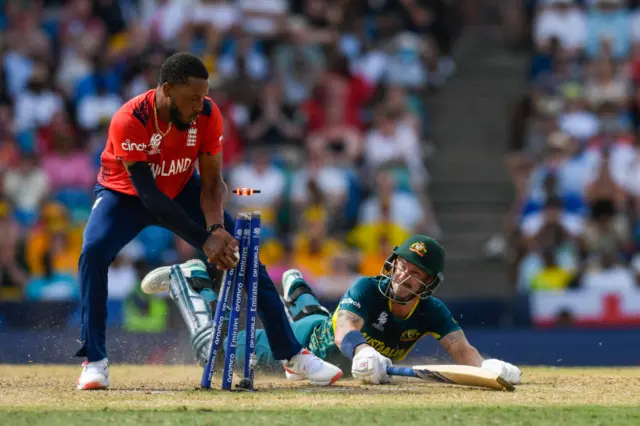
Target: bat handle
{"x": 401, "y": 371}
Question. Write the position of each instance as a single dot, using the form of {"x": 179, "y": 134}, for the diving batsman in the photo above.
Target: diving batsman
{"x": 378, "y": 320}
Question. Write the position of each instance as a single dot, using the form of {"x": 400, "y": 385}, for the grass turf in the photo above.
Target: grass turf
{"x": 45, "y": 395}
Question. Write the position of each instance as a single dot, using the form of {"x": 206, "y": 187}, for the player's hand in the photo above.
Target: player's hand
{"x": 222, "y": 249}
{"x": 370, "y": 367}
{"x": 509, "y": 372}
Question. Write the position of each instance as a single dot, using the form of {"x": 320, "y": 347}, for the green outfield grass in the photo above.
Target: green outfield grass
{"x": 45, "y": 395}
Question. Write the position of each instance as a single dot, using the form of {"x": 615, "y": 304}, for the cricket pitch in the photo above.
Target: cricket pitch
{"x": 44, "y": 394}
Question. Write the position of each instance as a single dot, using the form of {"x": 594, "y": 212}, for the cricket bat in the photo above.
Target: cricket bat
{"x": 464, "y": 375}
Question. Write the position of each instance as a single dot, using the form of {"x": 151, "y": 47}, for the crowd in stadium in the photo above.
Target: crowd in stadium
{"x": 573, "y": 151}
{"x": 324, "y": 106}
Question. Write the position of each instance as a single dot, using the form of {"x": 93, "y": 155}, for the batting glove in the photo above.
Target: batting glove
{"x": 370, "y": 367}
{"x": 509, "y": 372}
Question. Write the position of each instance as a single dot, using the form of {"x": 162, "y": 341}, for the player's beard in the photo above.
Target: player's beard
{"x": 176, "y": 118}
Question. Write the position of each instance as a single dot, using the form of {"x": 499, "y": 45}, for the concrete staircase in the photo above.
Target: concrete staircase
{"x": 471, "y": 190}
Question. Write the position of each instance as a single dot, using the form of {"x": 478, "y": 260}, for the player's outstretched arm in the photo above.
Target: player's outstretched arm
{"x": 213, "y": 188}
{"x": 168, "y": 211}
{"x": 368, "y": 365}
{"x": 346, "y": 322}
{"x": 463, "y": 352}
{"x": 460, "y": 349}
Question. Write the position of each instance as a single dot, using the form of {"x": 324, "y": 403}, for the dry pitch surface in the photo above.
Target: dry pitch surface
{"x": 34, "y": 395}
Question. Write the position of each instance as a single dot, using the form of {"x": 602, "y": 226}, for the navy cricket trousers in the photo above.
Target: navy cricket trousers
{"x": 115, "y": 220}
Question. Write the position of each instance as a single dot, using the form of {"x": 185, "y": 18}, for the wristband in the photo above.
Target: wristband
{"x": 350, "y": 342}
{"x": 214, "y": 227}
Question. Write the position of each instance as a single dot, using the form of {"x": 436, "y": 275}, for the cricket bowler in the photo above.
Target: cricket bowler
{"x": 147, "y": 177}
{"x": 378, "y": 320}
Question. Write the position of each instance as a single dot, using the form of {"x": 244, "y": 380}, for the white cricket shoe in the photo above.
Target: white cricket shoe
{"x": 95, "y": 375}
{"x": 159, "y": 279}
{"x": 288, "y": 278}
{"x": 305, "y": 365}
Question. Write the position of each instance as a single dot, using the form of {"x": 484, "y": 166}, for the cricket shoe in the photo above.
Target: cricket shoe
{"x": 305, "y": 365}
{"x": 95, "y": 375}
{"x": 288, "y": 278}
{"x": 159, "y": 279}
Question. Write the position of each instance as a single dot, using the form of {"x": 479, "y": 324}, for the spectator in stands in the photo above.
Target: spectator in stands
{"x": 13, "y": 271}
{"x": 207, "y": 23}
{"x": 607, "y": 86}
{"x": 339, "y": 142}
{"x": 342, "y": 276}
{"x": 273, "y": 123}
{"x": 9, "y": 150}
{"x": 244, "y": 56}
{"x": 263, "y": 19}
{"x": 81, "y": 36}
{"x": 67, "y": 166}
{"x": 313, "y": 248}
{"x": 611, "y": 274}
{"x": 409, "y": 61}
{"x": 339, "y": 87}
{"x": 553, "y": 215}
{"x": 298, "y": 65}
{"x": 103, "y": 78}
{"x": 551, "y": 276}
{"x": 393, "y": 144}
{"x": 635, "y": 27}
{"x": 54, "y": 245}
{"x": 123, "y": 276}
{"x": 403, "y": 208}
{"x": 96, "y": 109}
{"x": 410, "y": 110}
{"x": 631, "y": 183}
{"x": 552, "y": 238}
{"x": 614, "y": 144}
{"x": 577, "y": 120}
{"x": 562, "y": 20}
{"x": 562, "y": 172}
{"x": 320, "y": 180}
{"x": 375, "y": 240}
{"x": 144, "y": 76}
{"x": 258, "y": 172}
{"x": 26, "y": 185}
{"x": 572, "y": 201}
{"x": 604, "y": 186}
{"x": 322, "y": 19}
{"x": 608, "y": 29}
{"x": 607, "y": 228}
{"x": 219, "y": 15}
{"x": 36, "y": 106}
{"x": 163, "y": 20}
{"x": 234, "y": 145}
{"x": 25, "y": 46}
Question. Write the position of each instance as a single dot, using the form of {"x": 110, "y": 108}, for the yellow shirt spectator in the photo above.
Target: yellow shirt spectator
{"x": 55, "y": 236}
{"x": 315, "y": 257}
{"x": 551, "y": 278}
{"x": 365, "y": 237}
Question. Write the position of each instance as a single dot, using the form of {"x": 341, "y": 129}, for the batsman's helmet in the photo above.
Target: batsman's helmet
{"x": 422, "y": 251}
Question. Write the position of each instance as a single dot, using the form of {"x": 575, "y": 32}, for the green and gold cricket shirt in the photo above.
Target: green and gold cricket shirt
{"x": 393, "y": 337}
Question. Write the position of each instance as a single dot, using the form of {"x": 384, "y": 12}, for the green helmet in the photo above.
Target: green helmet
{"x": 422, "y": 251}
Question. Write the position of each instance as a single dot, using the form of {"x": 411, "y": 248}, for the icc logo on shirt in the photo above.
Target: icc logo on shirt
{"x": 154, "y": 144}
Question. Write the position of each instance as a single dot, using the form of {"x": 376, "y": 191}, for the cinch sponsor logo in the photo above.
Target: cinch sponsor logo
{"x": 132, "y": 146}
{"x": 175, "y": 167}
{"x": 350, "y": 301}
